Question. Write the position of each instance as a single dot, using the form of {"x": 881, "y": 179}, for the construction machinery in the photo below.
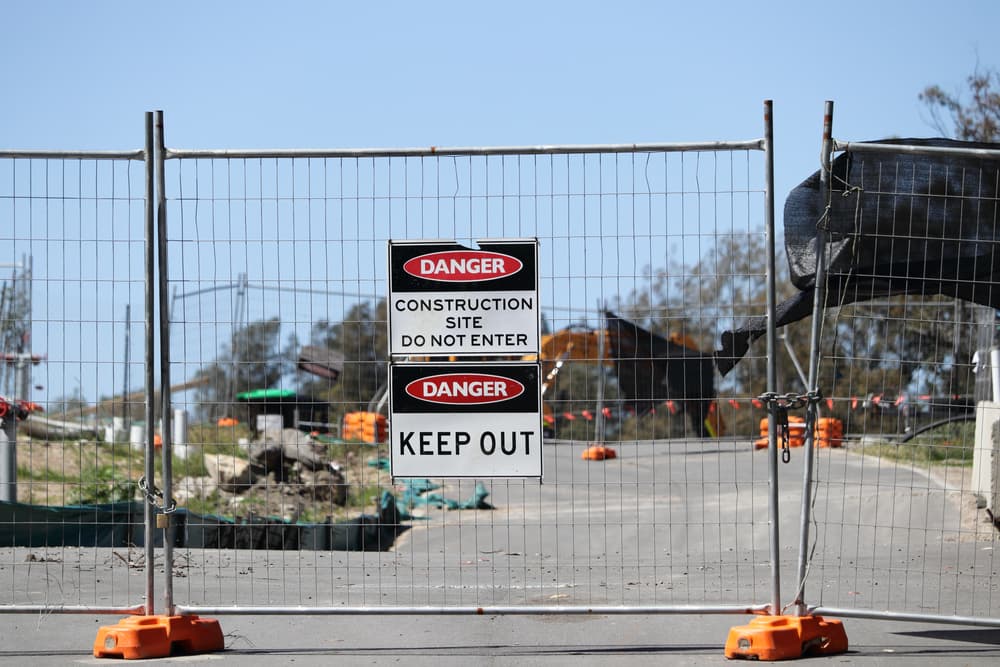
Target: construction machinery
{"x": 652, "y": 371}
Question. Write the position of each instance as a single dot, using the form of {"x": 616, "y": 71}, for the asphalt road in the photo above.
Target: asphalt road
{"x": 662, "y": 528}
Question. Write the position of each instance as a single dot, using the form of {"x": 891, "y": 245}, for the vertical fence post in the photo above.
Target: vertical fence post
{"x": 140, "y": 637}
{"x": 165, "y": 410}
{"x": 150, "y": 470}
{"x": 772, "y": 347}
{"x": 599, "y": 428}
{"x": 812, "y": 405}
{"x": 778, "y": 637}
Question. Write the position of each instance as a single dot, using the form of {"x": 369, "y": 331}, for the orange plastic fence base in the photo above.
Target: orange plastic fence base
{"x": 139, "y": 637}
{"x": 598, "y": 453}
{"x": 786, "y": 638}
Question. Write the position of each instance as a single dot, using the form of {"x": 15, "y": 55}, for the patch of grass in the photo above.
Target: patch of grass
{"x": 363, "y": 497}
{"x": 25, "y": 473}
{"x": 75, "y": 472}
{"x": 318, "y": 515}
{"x": 951, "y": 444}
{"x": 103, "y": 484}
{"x": 210, "y": 435}
{"x": 210, "y": 505}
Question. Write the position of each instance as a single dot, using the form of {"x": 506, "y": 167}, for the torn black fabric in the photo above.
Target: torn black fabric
{"x": 652, "y": 369}
{"x": 898, "y": 223}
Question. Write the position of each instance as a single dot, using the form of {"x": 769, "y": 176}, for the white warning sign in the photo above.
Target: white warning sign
{"x": 465, "y": 420}
{"x": 446, "y": 299}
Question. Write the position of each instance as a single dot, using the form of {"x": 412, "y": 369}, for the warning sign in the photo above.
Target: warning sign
{"x": 465, "y": 420}
{"x": 446, "y": 299}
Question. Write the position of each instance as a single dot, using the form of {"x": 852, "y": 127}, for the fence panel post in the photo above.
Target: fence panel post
{"x": 895, "y": 532}
{"x": 72, "y": 520}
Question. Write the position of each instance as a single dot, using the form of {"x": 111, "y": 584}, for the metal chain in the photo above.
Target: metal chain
{"x": 782, "y": 404}
{"x": 783, "y": 428}
{"x": 152, "y": 494}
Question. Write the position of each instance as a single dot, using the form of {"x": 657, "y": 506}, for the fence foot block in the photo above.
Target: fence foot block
{"x": 598, "y": 453}
{"x": 785, "y": 638}
{"x": 140, "y": 637}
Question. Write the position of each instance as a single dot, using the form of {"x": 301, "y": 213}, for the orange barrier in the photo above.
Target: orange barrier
{"x": 829, "y": 432}
{"x": 796, "y": 433}
{"x": 366, "y": 426}
{"x": 598, "y": 453}
{"x": 786, "y": 637}
{"x": 140, "y": 637}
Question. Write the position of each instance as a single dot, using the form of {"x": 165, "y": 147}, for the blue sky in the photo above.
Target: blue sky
{"x": 80, "y": 75}
{"x": 334, "y": 74}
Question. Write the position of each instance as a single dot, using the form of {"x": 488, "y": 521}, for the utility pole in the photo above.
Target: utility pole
{"x": 14, "y": 407}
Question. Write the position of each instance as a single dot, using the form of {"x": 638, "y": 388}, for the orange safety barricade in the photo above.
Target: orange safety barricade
{"x": 366, "y": 426}
{"x": 796, "y": 433}
{"x": 829, "y": 432}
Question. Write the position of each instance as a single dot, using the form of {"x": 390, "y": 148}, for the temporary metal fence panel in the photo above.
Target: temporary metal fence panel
{"x": 73, "y": 255}
{"x": 896, "y": 526}
{"x": 277, "y": 292}
{"x": 264, "y": 278}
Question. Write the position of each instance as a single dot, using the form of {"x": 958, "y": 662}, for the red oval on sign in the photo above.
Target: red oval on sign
{"x": 463, "y": 266}
{"x": 465, "y": 388}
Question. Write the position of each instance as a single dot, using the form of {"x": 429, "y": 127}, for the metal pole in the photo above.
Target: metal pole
{"x": 772, "y": 348}
{"x": 165, "y": 410}
{"x": 128, "y": 345}
{"x": 601, "y": 345}
{"x": 150, "y": 471}
{"x": 8, "y": 452}
{"x": 819, "y": 300}
{"x": 22, "y": 368}
{"x": 8, "y": 423}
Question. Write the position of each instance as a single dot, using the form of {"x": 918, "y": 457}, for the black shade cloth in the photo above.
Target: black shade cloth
{"x": 898, "y": 223}
{"x": 652, "y": 369}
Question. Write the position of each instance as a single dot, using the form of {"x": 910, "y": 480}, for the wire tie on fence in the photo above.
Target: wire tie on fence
{"x": 152, "y": 493}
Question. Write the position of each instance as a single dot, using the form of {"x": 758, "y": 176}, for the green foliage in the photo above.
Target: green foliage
{"x": 901, "y": 347}
{"x": 103, "y": 484}
{"x": 210, "y": 436}
{"x": 25, "y": 473}
{"x": 951, "y": 444}
{"x": 212, "y": 505}
{"x": 251, "y": 361}
{"x": 575, "y": 390}
{"x": 362, "y": 338}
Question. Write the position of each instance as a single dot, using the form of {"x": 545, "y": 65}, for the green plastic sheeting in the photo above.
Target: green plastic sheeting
{"x": 121, "y": 525}
{"x": 110, "y": 525}
{"x": 415, "y": 493}
{"x": 264, "y": 394}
